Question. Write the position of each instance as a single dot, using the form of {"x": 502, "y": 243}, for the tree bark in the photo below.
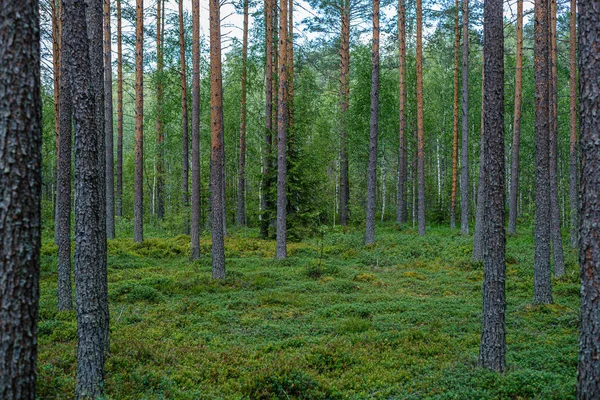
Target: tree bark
{"x": 195, "y": 229}
{"x": 344, "y": 105}
{"x": 281, "y": 246}
{"x": 479, "y": 214}
{"x": 138, "y": 206}
{"x": 588, "y": 369}
{"x": 420, "y": 128}
{"x": 108, "y": 126}
{"x": 455, "y": 125}
{"x": 265, "y": 205}
{"x": 56, "y": 54}
{"x": 402, "y": 159}
{"x": 160, "y": 130}
{"x": 216, "y": 139}
{"x": 374, "y": 130}
{"x": 492, "y": 353}
{"x": 184, "y": 122}
{"x": 464, "y": 178}
{"x": 21, "y": 191}
{"x": 241, "y": 200}
{"x": 119, "y": 194}
{"x": 514, "y": 175}
{"x": 573, "y": 170}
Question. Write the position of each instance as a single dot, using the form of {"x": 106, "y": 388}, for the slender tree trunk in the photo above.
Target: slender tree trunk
{"x": 464, "y": 178}
{"x": 56, "y": 54}
{"x": 281, "y": 248}
{"x": 344, "y": 105}
{"x": 492, "y": 353}
{"x": 479, "y": 214}
{"x": 216, "y": 139}
{"x": 160, "y": 130}
{"x": 108, "y": 126}
{"x": 290, "y": 88}
{"x": 138, "y": 206}
{"x": 119, "y": 195}
{"x": 455, "y": 125}
{"x": 402, "y": 160}
{"x": 542, "y": 282}
{"x": 195, "y": 229}
{"x": 63, "y": 185}
{"x": 420, "y": 128}
{"x": 573, "y": 178}
{"x": 21, "y": 191}
{"x": 184, "y": 122}
{"x": 241, "y": 203}
{"x": 90, "y": 229}
{"x": 555, "y": 232}
{"x": 514, "y": 175}
{"x": 588, "y": 370}
{"x": 266, "y": 174}
{"x": 374, "y": 128}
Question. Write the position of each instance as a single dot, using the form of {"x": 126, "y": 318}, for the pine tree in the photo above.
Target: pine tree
{"x": 138, "y": 206}
{"x": 108, "y": 126}
{"x": 455, "y": 125}
{"x": 241, "y": 200}
{"x": 420, "y": 122}
{"x": 573, "y": 168}
{"x": 464, "y": 178}
{"x": 184, "y": 121}
{"x": 402, "y": 158}
{"x": 195, "y": 229}
{"x": 119, "y": 191}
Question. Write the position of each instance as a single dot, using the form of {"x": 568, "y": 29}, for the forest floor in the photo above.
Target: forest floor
{"x": 336, "y": 320}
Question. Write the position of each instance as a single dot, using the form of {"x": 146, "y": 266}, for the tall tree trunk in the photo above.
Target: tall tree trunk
{"x": 455, "y": 125}
{"x": 108, "y": 126}
{"x": 492, "y": 353}
{"x": 138, "y": 206}
{"x": 160, "y": 130}
{"x": 420, "y": 128}
{"x": 373, "y": 129}
{"x": 195, "y": 229}
{"x": 281, "y": 247}
{"x": 464, "y": 178}
{"x": 542, "y": 282}
{"x": 514, "y": 175}
{"x": 402, "y": 159}
{"x": 63, "y": 185}
{"x": 480, "y": 211}
{"x": 265, "y": 205}
{"x": 573, "y": 178}
{"x": 119, "y": 194}
{"x": 184, "y": 122}
{"x": 21, "y": 191}
{"x": 555, "y": 232}
{"x": 344, "y": 105}
{"x": 241, "y": 200}
{"x": 216, "y": 138}
{"x": 290, "y": 88}
{"x": 90, "y": 229}
{"x": 588, "y": 370}
{"x": 56, "y": 54}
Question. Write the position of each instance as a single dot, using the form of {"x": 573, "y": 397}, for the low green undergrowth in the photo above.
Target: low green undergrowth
{"x": 396, "y": 320}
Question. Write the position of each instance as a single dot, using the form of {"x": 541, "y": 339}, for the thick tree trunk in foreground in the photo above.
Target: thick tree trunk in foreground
{"x": 241, "y": 200}
{"x": 160, "y": 130}
{"x": 217, "y": 150}
{"x": 492, "y": 353}
{"x": 184, "y": 122}
{"x": 573, "y": 171}
{"x": 344, "y": 105}
{"x": 119, "y": 194}
{"x": 402, "y": 160}
{"x": 479, "y": 214}
{"x": 542, "y": 279}
{"x": 420, "y": 128}
{"x": 21, "y": 191}
{"x": 90, "y": 231}
{"x": 514, "y": 174}
{"x": 374, "y": 129}
{"x": 588, "y": 370}
{"x": 138, "y": 201}
{"x": 464, "y": 177}
{"x": 108, "y": 126}
{"x": 195, "y": 228}
{"x": 265, "y": 203}
{"x": 455, "y": 125}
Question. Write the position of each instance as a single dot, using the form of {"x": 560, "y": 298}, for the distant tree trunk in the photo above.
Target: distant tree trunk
{"x": 344, "y": 104}
{"x": 464, "y": 178}
{"x": 479, "y": 214}
{"x": 274, "y": 122}
{"x": 195, "y": 229}
{"x": 492, "y": 353}
{"x": 573, "y": 178}
{"x": 184, "y": 121}
{"x": 588, "y": 370}
{"x": 138, "y": 206}
{"x": 241, "y": 203}
{"x": 63, "y": 184}
{"x": 514, "y": 175}
{"x": 402, "y": 159}
{"x": 455, "y": 125}
{"x": 216, "y": 139}
{"x": 290, "y": 89}
{"x": 281, "y": 248}
{"x": 160, "y": 130}
{"x": 265, "y": 205}
{"x": 557, "y": 248}
{"x": 21, "y": 191}
{"x": 542, "y": 282}
{"x": 90, "y": 229}
{"x": 108, "y": 126}
{"x": 420, "y": 128}
{"x": 374, "y": 128}
{"x": 56, "y": 54}
{"x": 119, "y": 195}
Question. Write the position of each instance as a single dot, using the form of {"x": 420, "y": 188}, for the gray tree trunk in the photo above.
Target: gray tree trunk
{"x": 21, "y": 191}
{"x": 265, "y": 203}
{"x": 573, "y": 170}
{"x": 108, "y": 126}
{"x": 464, "y": 178}
{"x": 492, "y": 353}
{"x": 402, "y": 159}
{"x": 195, "y": 228}
{"x": 138, "y": 195}
{"x": 479, "y": 212}
{"x": 420, "y": 121}
{"x": 281, "y": 246}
